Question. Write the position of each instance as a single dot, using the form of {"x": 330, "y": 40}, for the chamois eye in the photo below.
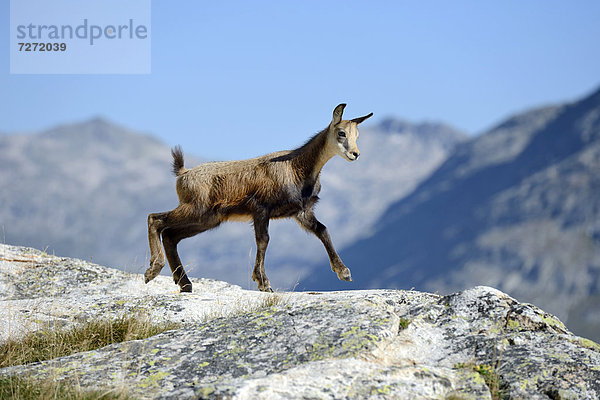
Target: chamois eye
{"x": 342, "y": 134}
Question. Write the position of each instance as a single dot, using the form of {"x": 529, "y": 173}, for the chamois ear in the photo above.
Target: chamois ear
{"x": 361, "y": 119}
{"x": 337, "y": 114}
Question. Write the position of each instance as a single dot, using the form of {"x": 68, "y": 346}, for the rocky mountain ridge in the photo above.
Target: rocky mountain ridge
{"x": 378, "y": 344}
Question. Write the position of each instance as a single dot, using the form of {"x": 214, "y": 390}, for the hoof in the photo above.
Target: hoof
{"x": 265, "y": 287}
{"x": 263, "y": 284}
{"x": 156, "y": 265}
{"x": 345, "y": 275}
{"x": 150, "y": 274}
{"x": 186, "y": 288}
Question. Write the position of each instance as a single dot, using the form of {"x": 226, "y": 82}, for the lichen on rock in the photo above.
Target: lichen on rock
{"x": 356, "y": 344}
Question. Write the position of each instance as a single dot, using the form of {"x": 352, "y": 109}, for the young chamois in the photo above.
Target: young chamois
{"x": 277, "y": 185}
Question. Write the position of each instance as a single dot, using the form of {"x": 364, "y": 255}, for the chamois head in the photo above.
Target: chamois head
{"x": 344, "y": 133}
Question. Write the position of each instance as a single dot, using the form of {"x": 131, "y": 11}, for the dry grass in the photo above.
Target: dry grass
{"x": 270, "y": 300}
{"x": 242, "y": 307}
{"x": 15, "y": 388}
{"x": 49, "y": 344}
{"x": 52, "y": 343}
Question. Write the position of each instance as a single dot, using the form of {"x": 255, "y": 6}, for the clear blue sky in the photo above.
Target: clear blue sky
{"x": 238, "y": 79}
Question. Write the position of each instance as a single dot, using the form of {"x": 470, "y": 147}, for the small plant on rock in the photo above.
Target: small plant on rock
{"x": 489, "y": 375}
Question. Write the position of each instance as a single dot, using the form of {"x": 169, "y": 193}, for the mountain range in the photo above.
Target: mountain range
{"x": 517, "y": 208}
{"x": 85, "y": 190}
{"x": 81, "y": 188}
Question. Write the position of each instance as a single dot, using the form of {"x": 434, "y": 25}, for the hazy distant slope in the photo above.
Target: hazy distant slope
{"x": 85, "y": 190}
{"x": 517, "y": 208}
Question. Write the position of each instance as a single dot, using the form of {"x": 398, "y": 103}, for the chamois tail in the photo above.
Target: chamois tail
{"x": 177, "y": 154}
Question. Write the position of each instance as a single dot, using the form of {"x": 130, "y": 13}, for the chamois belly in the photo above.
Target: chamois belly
{"x": 244, "y": 212}
{"x": 237, "y": 218}
{"x": 284, "y": 211}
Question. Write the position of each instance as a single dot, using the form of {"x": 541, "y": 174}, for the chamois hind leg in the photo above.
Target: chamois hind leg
{"x": 171, "y": 237}
{"x": 307, "y": 220}
{"x": 261, "y": 232}
{"x": 158, "y": 222}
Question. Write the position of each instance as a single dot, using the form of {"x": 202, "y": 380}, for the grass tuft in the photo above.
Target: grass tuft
{"x": 15, "y": 388}
{"x": 49, "y": 344}
{"x": 270, "y": 300}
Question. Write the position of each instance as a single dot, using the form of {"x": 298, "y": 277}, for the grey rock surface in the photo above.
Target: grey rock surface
{"x": 37, "y": 289}
{"x": 380, "y": 344}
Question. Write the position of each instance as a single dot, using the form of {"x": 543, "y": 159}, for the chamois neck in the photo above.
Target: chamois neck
{"x": 312, "y": 156}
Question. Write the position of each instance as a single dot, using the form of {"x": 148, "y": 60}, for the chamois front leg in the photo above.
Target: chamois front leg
{"x": 261, "y": 232}
{"x": 308, "y": 221}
